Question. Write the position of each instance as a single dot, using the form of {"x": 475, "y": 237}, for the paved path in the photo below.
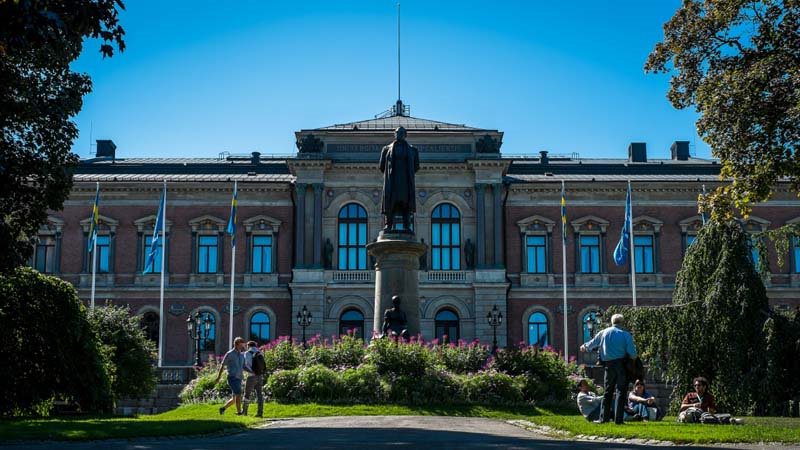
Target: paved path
{"x": 385, "y": 432}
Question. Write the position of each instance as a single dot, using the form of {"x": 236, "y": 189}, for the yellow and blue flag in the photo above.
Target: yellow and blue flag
{"x": 563, "y": 214}
{"x": 158, "y": 234}
{"x": 232, "y": 221}
{"x": 95, "y": 219}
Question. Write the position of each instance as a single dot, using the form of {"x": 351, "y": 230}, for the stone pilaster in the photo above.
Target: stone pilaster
{"x": 480, "y": 236}
{"x": 318, "y": 225}
{"x": 300, "y": 225}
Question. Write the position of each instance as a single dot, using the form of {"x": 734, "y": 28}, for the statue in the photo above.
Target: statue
{"x": 423, "y": 258}
{"x": 469, "y": 254}
{"x": 394, "y": 321}
{"x": 327, "y": 255}
{"x": 399, "y": 162}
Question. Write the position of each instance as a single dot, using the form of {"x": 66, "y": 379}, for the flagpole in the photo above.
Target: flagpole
{"x": 233, "y": 271}
{"x": 94, "y": 246}
{"x": 564, "y": 280}
{"x": 163, "y": 269}
{"x": 633, "y": 249}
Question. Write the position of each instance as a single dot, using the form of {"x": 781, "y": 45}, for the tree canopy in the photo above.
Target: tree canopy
{"x": 738, "y": 63}
{"x": 39, "y": 95}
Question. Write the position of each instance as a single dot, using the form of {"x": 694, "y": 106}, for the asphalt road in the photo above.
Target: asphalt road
{"x": 377, "y": 432}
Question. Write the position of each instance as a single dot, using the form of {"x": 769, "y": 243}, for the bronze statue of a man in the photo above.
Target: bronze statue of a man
{"x": 394, "y": 321}
{"x": 399, "y": 163}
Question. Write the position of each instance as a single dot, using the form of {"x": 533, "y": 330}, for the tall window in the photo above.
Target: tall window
{"x": 352, "y": 319}
{"x": 352, "y": 237}
{"x": 538, "y": 330}
{"x": 45, "y": 256}
{"x": 589, "y": 334}
{"x": 262, "y": 254}
{"x": 590, "y": 254}
{"x": 207, "y": 248}
{"x": 447, "y": 326}
{"x": 690, "y": 239}
{"x": 536, "y": 249}
{"x": 259, "y": 327}
{"x": 103, "y": 253}
{"x": 446, "y": 238}
{"x": 149, "y": 323}
{"x": 796, "y": 250}
{"x": 753, "y": 252}
{"x": 208, "y": 344}
{"x": 148, "y": 241}
{"x": 644, "y": 253}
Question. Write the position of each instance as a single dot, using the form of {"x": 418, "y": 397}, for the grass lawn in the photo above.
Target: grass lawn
{"x": 203, "y": 419}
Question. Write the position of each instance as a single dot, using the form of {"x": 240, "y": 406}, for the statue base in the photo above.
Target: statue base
{"x": 396, "y": 262}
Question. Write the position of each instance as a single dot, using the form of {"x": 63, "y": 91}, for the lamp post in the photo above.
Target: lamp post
{"x": 494, "y": 318}
{"x": 198, "y": 329}
{"x": 304, "y": 320}
{"x": 593, "y": 324}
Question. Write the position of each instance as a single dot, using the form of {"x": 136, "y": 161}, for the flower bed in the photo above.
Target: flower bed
{"x": 345, "y": 370}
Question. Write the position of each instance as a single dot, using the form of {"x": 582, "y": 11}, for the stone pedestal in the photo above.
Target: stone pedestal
{"x": 396, "y": 264}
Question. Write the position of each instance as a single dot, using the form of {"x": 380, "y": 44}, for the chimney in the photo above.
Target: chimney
{"x": 543, "y": 159}
{"x": 106, "y": 149}
{"x": 680, "y": 150}
{"x": 637, "y": 152}
{"x": 255, "y": 157}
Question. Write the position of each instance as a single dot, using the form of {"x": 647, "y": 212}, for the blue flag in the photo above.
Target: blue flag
{"x": 623, "y": 247}
{"x": 232, "y": 221}
{"x": 155, "y": 243}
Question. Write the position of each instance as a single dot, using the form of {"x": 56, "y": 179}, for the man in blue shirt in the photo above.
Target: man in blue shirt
{"x": 614, "y": 344}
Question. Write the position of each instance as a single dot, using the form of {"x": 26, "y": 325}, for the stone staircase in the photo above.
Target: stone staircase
{"x": 171, "y": 381}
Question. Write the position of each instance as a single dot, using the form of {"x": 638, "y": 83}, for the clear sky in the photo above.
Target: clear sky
{"x": 202, "y": 77}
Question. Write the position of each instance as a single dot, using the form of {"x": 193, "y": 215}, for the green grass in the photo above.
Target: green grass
{"x": 204, "y": 419}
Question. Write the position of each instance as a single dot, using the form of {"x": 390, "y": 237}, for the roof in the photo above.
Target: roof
{"x": 601, "y": 177}
{"x": 182, "y": 169}
{"x": 393, "y": 122}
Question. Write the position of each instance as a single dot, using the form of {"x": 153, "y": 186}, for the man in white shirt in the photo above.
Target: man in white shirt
{"x": 588, "y": 402}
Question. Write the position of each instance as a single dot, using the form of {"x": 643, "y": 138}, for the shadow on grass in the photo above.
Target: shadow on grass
{"x": 108, "y": 428}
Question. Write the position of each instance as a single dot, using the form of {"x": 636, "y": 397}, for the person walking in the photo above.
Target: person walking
{"x": 255, "y": 366}
{"x": 615, "y": 345}
{"x": 234, "y": 362}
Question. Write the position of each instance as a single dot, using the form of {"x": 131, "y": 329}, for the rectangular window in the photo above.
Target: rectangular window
{"x": 536, "y": 251}
{"x": 753, "y": 252}
{"x": 590, "y": 254}
{"x": 262, "y": 254}
{"x": 103, "y": 253}
{"x": 796, "y": 250}
{"x": 445, "y": 246}
{"x": 148, "y": 241}
{"x": 644, "y": 254}
{"x": 207, "y": 254}
{"x": 45, "y": 258}
{"x": 690, "y": 239}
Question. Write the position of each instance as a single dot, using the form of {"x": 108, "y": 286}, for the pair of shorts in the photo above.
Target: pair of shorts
{"x": 235, "y": 385}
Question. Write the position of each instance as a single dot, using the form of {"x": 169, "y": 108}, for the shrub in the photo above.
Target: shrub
{"x": 397, "y": 358}
{"x": 203, "y": 388}
{"x": 461, "y": 358}
{"x": 49, "y": 348}
{"x": 548, "y": 373}
{"x": 433, "y": 387}
{"x": 345, "y": 351}
{"x": 363, "y": 385}
{"x": 282, "y": 354}
{"x": 283, "y": 386}
{"x": 492, "y": 388}
{"x": 131, "y": 351}
{"x": 318, "y": 383}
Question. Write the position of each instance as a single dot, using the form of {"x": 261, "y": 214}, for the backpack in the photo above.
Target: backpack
{"x": 259, "y": 364}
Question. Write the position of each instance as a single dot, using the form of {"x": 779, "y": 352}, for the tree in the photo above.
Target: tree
{"x": 39, "y": 95}
{"x": 738, "y": 63}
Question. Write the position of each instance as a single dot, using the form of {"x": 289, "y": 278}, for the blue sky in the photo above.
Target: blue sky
{"x": 202, "y": 77}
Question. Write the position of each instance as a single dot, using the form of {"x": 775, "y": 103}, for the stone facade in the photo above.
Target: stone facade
{"x": 321, "y": 207}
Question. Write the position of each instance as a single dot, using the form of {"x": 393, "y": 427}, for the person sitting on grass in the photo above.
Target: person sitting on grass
{"x": 588, "y": 402}
{"x": 234, "y": 362}
{"x": 641, "y": 404}
{"x": 699, "y": 406}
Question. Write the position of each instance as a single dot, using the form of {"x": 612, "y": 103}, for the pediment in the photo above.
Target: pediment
{"x": 147, "y": 223}
{"x": 589, "y": 223}
{"x": 755, "y": 224}
{"x": 262, "y": 223}
{"x": 691, "y": 224}
{"x": 536, "y": 223}
{"x": 207, "y": 222}
{"x": 104, "y": 222}
{"x": 647, "y": 223}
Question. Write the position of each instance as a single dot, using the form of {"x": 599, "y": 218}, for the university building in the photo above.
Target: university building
{"x": 492, "y": 224}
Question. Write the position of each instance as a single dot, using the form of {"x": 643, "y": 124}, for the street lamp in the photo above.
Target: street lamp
{"x": 494, "y": 318}
{"x": 593, "y": 325}
{"x": 304, "y": 320}
{"x": 198, "y": 329}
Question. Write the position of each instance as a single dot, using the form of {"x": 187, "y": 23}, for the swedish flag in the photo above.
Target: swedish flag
{"x": 232, "y": 221}
{"x": 563, "y": 214}
{"x": 95, "y": 219}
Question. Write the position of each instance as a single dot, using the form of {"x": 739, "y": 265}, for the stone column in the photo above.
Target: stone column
{"x": 480, "y": 236}
{"x": 497, "y": 191}
{"x": 300, "y": 225}
{"x": 317, "y": 225}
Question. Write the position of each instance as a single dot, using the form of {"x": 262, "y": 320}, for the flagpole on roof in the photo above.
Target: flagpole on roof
{"x": 162, "y": 334}
{"x": 232, "y": 231}
{"x": 564, "y": 268}
{"x": 633, "y": 249}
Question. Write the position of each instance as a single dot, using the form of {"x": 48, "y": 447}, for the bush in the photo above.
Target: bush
{"x": 203, "y": 388}
{"x": 283, "y": 386}
{"x": 49, "y": 348}
{"x": 434, "y": 387}
{"x": 282, "y": 354}
{"x": 346, "y": 351}
{"x": 132, "y": 353}
{"x": 462, "y": 358}
{"x": 363, "y": 385}
{"x": 320, "y": 384}
{"x": 547, "y": 372}
{"x": 492, "y": 388}
{"x": 410, "y": 359}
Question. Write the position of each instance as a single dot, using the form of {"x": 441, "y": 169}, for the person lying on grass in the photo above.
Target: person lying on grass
{"x": 588, "y": 402}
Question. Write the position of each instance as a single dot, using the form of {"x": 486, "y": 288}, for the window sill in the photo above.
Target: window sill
{"x": 206, "y": 279}
{"x": 260, "y": 279}
{"x": 100, "y": 279}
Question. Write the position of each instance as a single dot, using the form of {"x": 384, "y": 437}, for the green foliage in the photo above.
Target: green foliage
{"x": 411, "y": 359}
{"x": 282, "y": 355}
{"x": 319, "y": 383}
{"x": 284, "y": 386}
{"x": 461, "y": 358}
{"x": 493, "y": 388}
{"x": 548, "y": 376}
{"x": 719, "y": 327}
{"x": 736, "y": 63}
{"x": 50, "y": 350}
{"x": 363, "y": 384}
{"x": 346, "y": 351}
{"x": 435, "y": 386}
{"x": 39, "y": 95}
{"x": 132, "y": 353}
{"x": 205, "y": 388}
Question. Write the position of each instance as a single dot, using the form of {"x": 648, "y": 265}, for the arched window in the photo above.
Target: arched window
{"x": 259, "y": 327}
{"x": 352, "y": 319}
{"x": 352, "y": 237}
{"x": 149, "y": 323}
{"x": 538, "y": 330}
{"x": 446, "y": 238}
{"x": 590, "y": 316}
{"x": 209, "y": 343}
{"x": 447, "y": 326}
